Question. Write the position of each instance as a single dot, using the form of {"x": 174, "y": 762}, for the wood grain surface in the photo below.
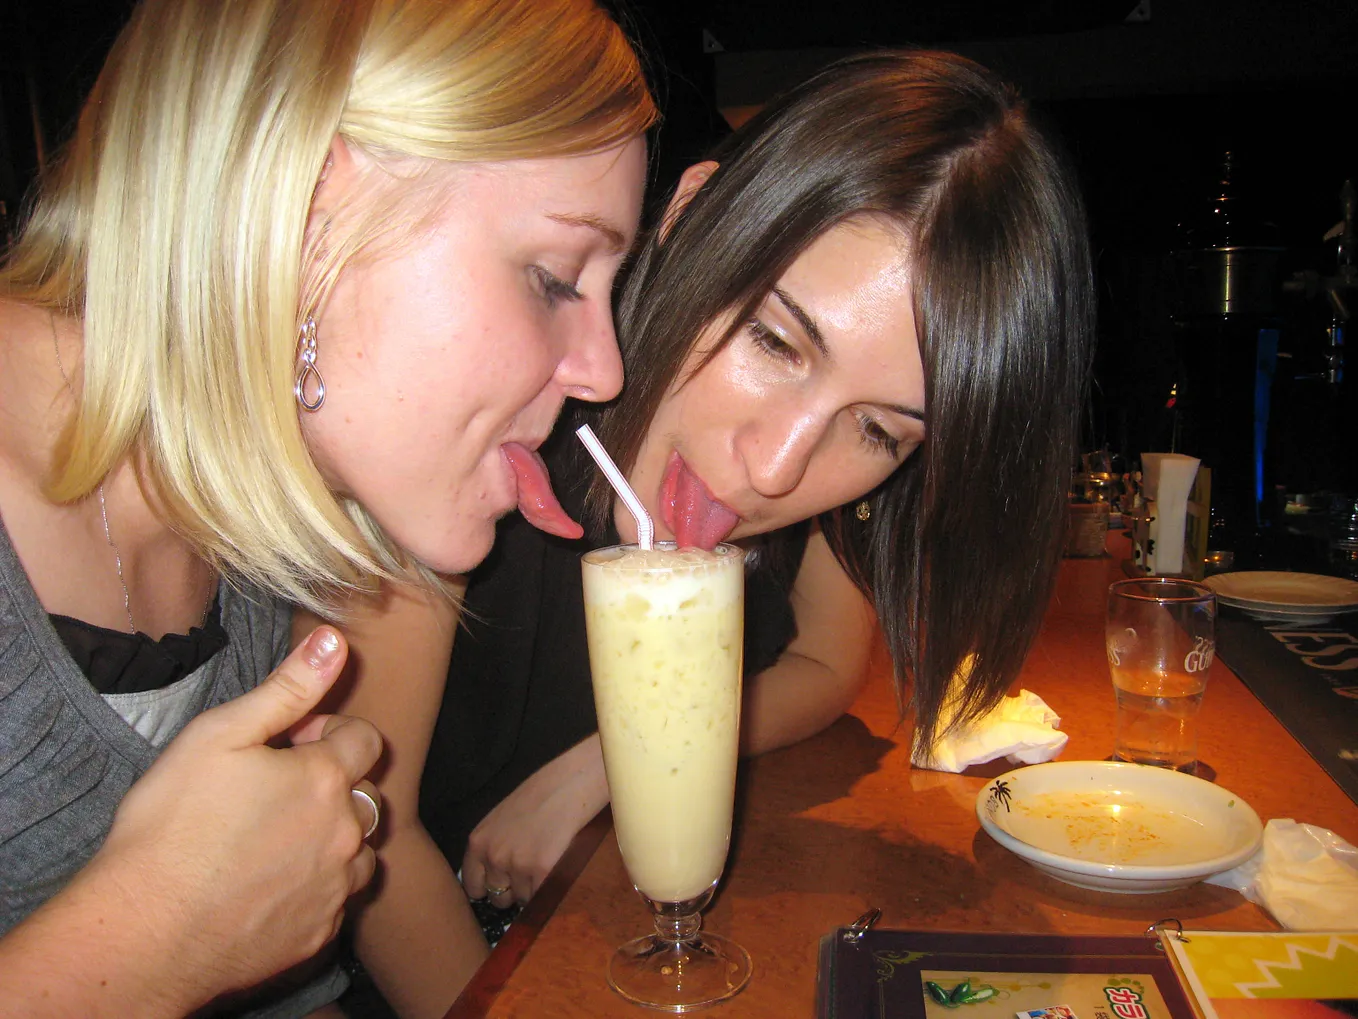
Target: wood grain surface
{"x": 841, "y": 822}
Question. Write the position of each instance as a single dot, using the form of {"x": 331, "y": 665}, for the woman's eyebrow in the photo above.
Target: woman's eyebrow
{"x": 910, "y": 412}
{"x": 615, "y": 239}
{"x": 807, "y": 323}
{"x": 813, "y": 333}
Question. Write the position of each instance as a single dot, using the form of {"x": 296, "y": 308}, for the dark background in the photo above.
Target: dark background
{"x": 1146, "y": 97}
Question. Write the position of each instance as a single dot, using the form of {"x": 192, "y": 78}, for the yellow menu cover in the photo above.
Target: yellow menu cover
{"x": 1268, "y": 975}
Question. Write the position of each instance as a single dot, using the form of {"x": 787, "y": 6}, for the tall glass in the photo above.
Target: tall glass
{"x": 665, "y": 647}
{"x": 1161, "y": 639}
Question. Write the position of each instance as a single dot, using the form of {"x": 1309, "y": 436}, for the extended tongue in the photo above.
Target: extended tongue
{"x": 537, "y": 501}
{"x": 699, "y": 520}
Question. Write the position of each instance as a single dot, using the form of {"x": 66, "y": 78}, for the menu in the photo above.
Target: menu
{"x": 893, "y": 974}
{"x": 1273, "y": 975}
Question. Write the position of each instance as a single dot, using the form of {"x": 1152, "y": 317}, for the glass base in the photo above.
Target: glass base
{"x": 679, "y": 976}
{"x": 1189, "y": 767}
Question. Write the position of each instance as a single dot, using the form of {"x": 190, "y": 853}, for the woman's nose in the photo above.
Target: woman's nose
{"x": 591, "y": 368}
{"x": 777, "y": 449}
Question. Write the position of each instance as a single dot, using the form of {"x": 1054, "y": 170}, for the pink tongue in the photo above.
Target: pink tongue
{"x": 537, "y": 501}
{"x": 698, "y": 520}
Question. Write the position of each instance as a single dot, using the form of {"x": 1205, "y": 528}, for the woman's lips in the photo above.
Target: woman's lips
{"x": 690, "y": 512}
{"x": 537, "y": 501}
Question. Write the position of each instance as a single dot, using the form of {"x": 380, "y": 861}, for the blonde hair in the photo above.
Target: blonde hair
{"x": 175, "y": 227}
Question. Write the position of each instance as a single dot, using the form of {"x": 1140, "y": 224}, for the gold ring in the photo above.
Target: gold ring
{"x": 495, "y": 890}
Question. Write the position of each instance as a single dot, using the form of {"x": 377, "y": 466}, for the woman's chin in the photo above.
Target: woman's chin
{"x": 460, "y": 553}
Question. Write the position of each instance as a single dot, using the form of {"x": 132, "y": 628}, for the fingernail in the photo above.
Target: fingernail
{"x": 322, "y": 646}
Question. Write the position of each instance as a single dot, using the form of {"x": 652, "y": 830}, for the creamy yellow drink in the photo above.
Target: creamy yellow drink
{"x": 665, "y": 647}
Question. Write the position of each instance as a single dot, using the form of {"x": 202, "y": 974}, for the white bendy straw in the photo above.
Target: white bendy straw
{"x": 645, "y": 529}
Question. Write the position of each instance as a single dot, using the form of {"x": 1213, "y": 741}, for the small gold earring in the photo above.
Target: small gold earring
{"x": 863, "y": 511}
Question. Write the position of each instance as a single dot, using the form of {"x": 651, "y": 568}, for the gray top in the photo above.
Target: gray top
{"x": 67, "y": 757}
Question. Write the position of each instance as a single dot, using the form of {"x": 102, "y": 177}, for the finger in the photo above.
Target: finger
{"x": 361, "y": 868}
{"x": 473, "y": 877}
{"x": 501, "y": 895}
{"x": 367, "y": 804}
{"x": 526, "y": 885}
{"x": 354, "y": 742}
{"x": 314, "y": 727}
{"x": 286, "y": 697}
{"x": 309, "y": 729}
{"x": 497, "y": 884}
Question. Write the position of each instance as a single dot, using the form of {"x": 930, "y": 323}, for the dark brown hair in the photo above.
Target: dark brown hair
{"x": 963, "y": 542}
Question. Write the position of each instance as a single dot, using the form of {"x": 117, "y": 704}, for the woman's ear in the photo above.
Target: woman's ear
{"x": 337, "y": 174}
{"x": 689, "y": 182}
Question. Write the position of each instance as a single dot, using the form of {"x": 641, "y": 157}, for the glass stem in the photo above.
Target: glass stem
{"x": 677, "y": 929}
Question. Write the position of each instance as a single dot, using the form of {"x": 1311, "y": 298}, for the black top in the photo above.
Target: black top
{"x": 116, "y": 661}
{"x": 518, "y": 692}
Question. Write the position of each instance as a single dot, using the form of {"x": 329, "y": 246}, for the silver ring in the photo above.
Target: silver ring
{"x": 372, "y": 802}
{"x": 494, "y": 890}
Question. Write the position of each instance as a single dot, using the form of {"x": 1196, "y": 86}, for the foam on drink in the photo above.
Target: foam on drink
{"x": 665, "y": 635}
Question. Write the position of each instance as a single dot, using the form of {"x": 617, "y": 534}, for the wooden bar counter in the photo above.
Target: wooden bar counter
{"x": 840, "y": 823}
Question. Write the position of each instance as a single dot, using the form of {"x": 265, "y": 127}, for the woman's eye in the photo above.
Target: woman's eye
{"x": 554, "y": 289}
{"x": 770, "y": 342}
{"x": 878, "y": 438}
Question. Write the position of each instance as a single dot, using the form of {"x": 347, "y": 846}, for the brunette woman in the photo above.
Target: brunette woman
{"x": 857, "y": 343}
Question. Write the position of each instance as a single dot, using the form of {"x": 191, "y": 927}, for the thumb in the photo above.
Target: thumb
{"x": 290, "y": 692}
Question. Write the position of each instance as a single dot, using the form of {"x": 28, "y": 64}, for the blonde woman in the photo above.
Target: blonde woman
{"x": 290, "y": 317}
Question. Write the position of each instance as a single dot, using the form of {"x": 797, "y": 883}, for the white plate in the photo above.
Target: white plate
{"x": 1118, "y": 827}
{"x": 1276, "y": 597}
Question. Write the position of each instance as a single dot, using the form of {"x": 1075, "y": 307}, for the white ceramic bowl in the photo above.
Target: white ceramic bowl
{"x": 1118, "y": 827}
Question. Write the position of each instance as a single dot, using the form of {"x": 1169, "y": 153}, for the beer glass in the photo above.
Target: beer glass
{"x": 1161, "y": 639}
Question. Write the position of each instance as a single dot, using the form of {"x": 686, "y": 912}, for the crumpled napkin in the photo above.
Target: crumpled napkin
{"x": 1306, "y": 876}
{"x": 1023, "y": 729}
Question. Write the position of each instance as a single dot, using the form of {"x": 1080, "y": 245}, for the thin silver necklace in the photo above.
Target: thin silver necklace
{"x": 117, "y": 558}
{"x": 103, "y": 509}
{"x": 103, "y": 504}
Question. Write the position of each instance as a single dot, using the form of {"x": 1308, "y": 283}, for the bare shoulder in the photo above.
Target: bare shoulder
{"x": 822, "y": 578}
{"x": 399, "y": 643}
{"x": 833, "y": 616}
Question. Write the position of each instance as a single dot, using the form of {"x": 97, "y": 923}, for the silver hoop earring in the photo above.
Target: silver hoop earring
{"x": 306, "y": 365}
